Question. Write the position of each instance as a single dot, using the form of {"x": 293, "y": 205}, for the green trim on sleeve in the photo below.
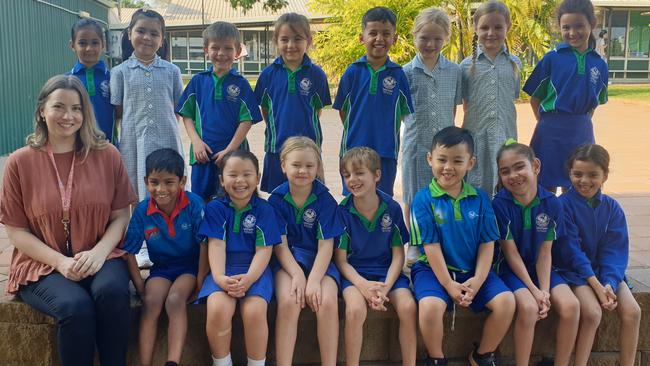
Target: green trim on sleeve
{"x": 344, "y": 241}
{"x": 396, "y": 238}
{"x": 346, "y": 126}
{"x": 547, "y": 95}
{"x": 602, "y": 95}
{"x": 269, "y": 133}
{"x": 244, "y": 112}
{"x": 260, "y": 241}
{"x": 509, "y": 235}
{"x": 316, "y": 105}
{"x": 551, "y": 234}
{"x": 90, "y": 81}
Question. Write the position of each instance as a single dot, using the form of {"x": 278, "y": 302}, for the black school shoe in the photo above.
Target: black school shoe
{"x": 545, "y": 361}
{"x": 487, "y": 359}
{"x": 429, "y": 361}
{"x": 171, "y": 363}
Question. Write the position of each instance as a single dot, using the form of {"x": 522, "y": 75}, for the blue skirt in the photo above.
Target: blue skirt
{"x": 556, "y": 136}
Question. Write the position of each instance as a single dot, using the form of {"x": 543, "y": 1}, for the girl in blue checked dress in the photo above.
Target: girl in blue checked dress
{"x": 594, "y": 259}
{"x": 241, "y": 229}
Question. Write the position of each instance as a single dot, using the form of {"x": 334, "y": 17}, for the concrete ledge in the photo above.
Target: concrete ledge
{"x": 29, "y": 338}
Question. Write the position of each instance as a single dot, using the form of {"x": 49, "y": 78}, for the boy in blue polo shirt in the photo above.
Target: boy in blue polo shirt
{"x": 374, "y": 96}
{"x": 455, "y": 227}
{"x": 218, "y": 108}
{"x": 371, "y": 255}
{"x": 169, "y": 222}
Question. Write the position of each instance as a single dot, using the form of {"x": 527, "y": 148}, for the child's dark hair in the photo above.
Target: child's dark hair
{"x": 298, "y": 23}
{"x": 592, "y": 153}
{"x": 165, "y": 160}
{"x": 221, "y": 30}
{"x": 491, "y": 6}
{"x": 584, "y": 7}
{"x": 520, "y": 149}
{"x": 86, "y": 23}
{"x": 452, "y": 136}
{"x": 127, "y": 47}
{"x": 379, "y": 14}
{"x": 242, "y": 154}
{"x": 144, "y": 13}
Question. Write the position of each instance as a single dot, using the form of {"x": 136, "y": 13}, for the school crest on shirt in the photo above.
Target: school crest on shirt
{"x": 473, "y": 215}
{"x": 389, "y": 83}
{"x": 105, "y": 89}
{"x": 308, "y": 218}
{"x": 305, "y": 86}
{"x": 386, "y": 223}
{"x": 594, "y": 75}
{"x": 233, "y": 92}
{"x": 151, "y": 232}
{"x": 541, "y": 222}
{"x": 249, "y": 224}
{"x": 439, "y": 216}
{"x": 186, "y": 226}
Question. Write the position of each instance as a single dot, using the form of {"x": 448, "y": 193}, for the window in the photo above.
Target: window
{"x": 639, "y": 36}
{"x": 617, "y": 38}
{"x": 179, "y": 46}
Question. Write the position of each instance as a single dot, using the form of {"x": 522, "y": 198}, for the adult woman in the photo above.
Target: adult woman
{"x": 65, "y": 204}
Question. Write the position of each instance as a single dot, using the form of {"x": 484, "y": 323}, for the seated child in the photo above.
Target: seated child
{"x": 309, "y": 212}
{"x": 594, "y": 262}
{"x": 371, "y": 255}
{"x": 241, "y": 229}
{"x": 530, "y": 218}
{"x": 454, "y": 225}
{"x": 169, "y": 222}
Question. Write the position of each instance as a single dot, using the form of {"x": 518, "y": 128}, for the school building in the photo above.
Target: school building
{"x": 628, "y": 38}
{"x": 186, "y": 19}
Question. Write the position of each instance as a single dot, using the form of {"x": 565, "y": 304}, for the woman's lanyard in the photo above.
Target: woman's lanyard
{"x": 66, "y": 196}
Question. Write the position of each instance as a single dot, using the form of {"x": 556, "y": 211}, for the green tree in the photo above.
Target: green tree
{"x": 132, "y": 3}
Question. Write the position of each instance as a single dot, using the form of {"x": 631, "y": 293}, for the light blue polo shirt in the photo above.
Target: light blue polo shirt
{"x": 292, "y": 99}
{"x": 374, "y": 103}
{"x": 529, "y": 226}
{"x": 567, "y": 81}
{"x": 255, "y": 225}
{"x": 369, "y": 244}
{"x": 459, "y": 224}
{"x": 170, "y": 239}
{"x": 97, "y": 81}
{"x": 217, "y": 105}
{"x": 317, "y": 219}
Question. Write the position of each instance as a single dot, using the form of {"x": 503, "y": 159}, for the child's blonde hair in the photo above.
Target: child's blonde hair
{"x": 219, "y": 31}
{"x": 298, "y": 23}
{"x": 492, "y": 6}
{"x": 431, "y": 15}
{"x": 360, "y": 157}
{"x": 300, "y": 143}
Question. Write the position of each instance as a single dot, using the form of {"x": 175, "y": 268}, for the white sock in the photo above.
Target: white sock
{"x": 226, "y": 361}
{"x": 252, "y": 362}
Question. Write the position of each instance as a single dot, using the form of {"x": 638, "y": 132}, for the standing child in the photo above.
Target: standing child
{"x": 218, "y": 108}
{"x": 87, "y": 42}
{"x": 565, "y": 88}
{"x": 595, "y": 263}
{"x": 169, "y": 222}
{"x": 490, "y": 86}
{"x": 436, "y": 89}
{"x": 530, "y": 218}
{"x": 241, "y": 229}
{"x": 371, "y": 255}
{"x": 309, "y": 212}
{"x": 454, "y": 225}
{"x": 374, "y": 96}
{"x": 292, "y": 91}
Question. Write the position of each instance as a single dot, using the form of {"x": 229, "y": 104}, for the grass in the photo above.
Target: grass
{"x": 630, "y": 92}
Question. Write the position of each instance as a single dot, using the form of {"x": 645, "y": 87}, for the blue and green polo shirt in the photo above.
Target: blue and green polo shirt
{"x": 255, "y": 225}
{"x": 529, "y": 226}
{"x": 170, "y": 239}
{"x": 292, "y": 99}
{"x": 458, "y": 224}
{"x": 374, "y": 103}
{"x": 567, "y": 81}
{"x": 97, "y": 81}
{"x": 217, "y": 105}
{"x": 317, "y": 219}
{"x": 599, "y": 245}
{"x": 369, "y": 244}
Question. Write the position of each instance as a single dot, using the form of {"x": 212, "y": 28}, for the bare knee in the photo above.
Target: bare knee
{"x": 355, "y": 312}
{"x": 406, "y": 309}
{"x": 591, "y": 315}
{"x": 175, "y": 302}
{"x": 503, "y": 304}
{"x": 631, "y": 314}
{"x": 527, "y": 312}
{"x": 432, "y": 309}
{"x": 568, "y": 308}
{"x": 254, "y": 313}
{"x": 287, "y": 307}
{"x": 152, "y": 304}
{"x": 329, "y": 305}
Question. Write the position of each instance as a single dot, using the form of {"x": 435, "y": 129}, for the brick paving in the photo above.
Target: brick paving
{"x": 620, "y": 126}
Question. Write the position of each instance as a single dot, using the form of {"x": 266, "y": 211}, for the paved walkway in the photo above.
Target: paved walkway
{"x": 619, "y": 126}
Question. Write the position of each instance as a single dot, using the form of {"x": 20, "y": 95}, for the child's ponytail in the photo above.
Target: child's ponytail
{"x": 474, "y": 53}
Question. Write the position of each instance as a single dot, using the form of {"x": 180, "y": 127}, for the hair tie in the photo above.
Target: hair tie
{"x": 509, "y": 142}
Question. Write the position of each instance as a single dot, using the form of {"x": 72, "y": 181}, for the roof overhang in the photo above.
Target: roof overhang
{"x": 622, "y": 3}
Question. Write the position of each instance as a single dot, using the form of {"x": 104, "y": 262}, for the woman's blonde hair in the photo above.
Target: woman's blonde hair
{"x": 89, "y": 137}
{"x": 431, "y": 15}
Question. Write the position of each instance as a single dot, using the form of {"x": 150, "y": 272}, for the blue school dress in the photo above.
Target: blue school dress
{"x": 317, "y": 219}
{"x": 569, "y": 86}
{"x": 243, "y": 231}
{"x": 598, "y": 244}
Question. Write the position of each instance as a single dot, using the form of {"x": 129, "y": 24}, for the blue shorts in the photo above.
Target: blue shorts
{"x": 425, "y": 283}
{"x": 263, "y": 287}
{"x": 205, "y": 180}
{"x": 401, "y": 282}
{"x": 272, "y": 175}
{"x": 331, "y": 271}
{"x": 172, "y": 271}
{"x": 514, "y": 283}
{"x": 387, "y": 180}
